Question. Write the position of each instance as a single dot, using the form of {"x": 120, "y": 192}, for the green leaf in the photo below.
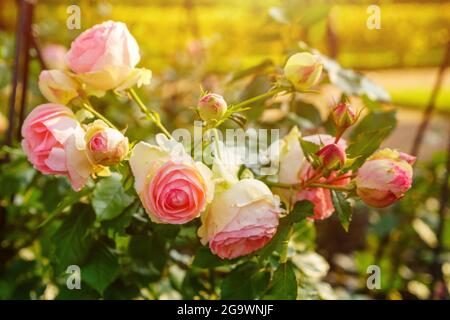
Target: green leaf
{"x": 365, "y": 144}
{"x": 205, "y": 259}
{"x": 109, "y": 198}
{"x": 375, "y": 120}
{"x": 72, "y": 239}
{"x": 302, "y": 210}
{"x": 118, "y": 224}
{"x": 284, "y": 283}
{"x": 247, "y": 281}
{"x": 101, "y": 269}
{"x": 343, "y": 208}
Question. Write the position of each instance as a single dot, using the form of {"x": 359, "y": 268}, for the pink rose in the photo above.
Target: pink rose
{"x": 172, "y": 187}
{"x": 53, "y": 142}
{"x": 107, "y": 146}
{"x": 384, "y": 178}
{"x": 105, "y": 56}
{"x": 54, "y": 56}
{"x": 241, "y": 219}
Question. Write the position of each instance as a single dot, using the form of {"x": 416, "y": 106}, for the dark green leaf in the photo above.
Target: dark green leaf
{"x": 109, "y": 198}
{"x": 343, "y": 209}
{"x": 302, "y": 210}
{"x": 72, "y": 240}
{"x": 205, "y": 259}
{"x": 247, "y": 281}
{"x": 284, "y": 283}
{"x": 101, "y": 268}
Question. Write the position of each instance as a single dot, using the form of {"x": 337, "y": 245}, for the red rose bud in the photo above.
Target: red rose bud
{"x": 332, "y": 156}
{"x": 344, "y": 115}
{"x": 211, "y": 107}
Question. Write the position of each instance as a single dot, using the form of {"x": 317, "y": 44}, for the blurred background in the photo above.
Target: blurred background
{"x": 229, "y": 46}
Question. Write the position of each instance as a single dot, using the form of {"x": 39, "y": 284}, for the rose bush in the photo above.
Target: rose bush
{"x": 228, "y": 210}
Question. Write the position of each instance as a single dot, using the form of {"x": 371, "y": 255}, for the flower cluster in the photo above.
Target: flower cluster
{"x": 239, "y": 214}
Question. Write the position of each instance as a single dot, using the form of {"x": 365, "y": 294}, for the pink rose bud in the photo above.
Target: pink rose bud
{"x": 344, "y": 115}
{"x": 303, "y": 70}
{"x": 53, "y": 143}
{"x": 57, "y": 86}
{"x": 384, "y": 178}
{"x": 332, "y": 156}
{"x": 211, "y": 107}
{"x": 54, "y": 56}
{"x": 105, "y": 56}
{"x": 107, "y": 146}
{"x": 172, "y": 187}
{"x": 241, "y": 219}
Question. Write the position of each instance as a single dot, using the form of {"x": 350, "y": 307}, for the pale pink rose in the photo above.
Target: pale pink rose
{"x": 105, "y": 56}
{"x": 57, "y": 86}
{"x": 53, "y": 142}
{"x": 54, "y": 56}
{"x": 384, "y": 178}
{"x": 172, "y": 187}
{"x": 241, "y": 219}
{"x": 107, "y": 146}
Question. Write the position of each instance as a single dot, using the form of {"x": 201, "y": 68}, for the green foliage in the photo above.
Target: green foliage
{"x": 343, "y": 209}
{"x": 247, "y": 281}
{"x": 109, "y": 198}
{"x": 284, "y": 283}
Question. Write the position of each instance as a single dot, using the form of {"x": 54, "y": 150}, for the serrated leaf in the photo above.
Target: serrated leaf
{"x": 101, "y": 269}
{"x": 284, "y": 283}
{"x": 109, "y": 198}
{"x": 72, "y": 240}
{"x": 343, "y": 209}
{"x": 365, "y": 144}
{"x": 247, "y": 281}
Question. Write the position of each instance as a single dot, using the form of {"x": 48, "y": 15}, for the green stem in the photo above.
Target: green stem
{"x": 285, "y": 247}
{"x": 90, "y": 108}
{"x": 327, "y": 186}
{"x": 151, "y": 115}
{"x": 263, "y": 96}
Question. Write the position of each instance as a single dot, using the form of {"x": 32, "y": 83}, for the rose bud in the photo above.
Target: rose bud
{"x": 344, "y": 115}
{"x": 57, "y": 86}
{"x": 173, "y": 188}
{"x": 384, "y": 178}
{"x": 211, "y": 107}
{"x": 332, "y": 156}
{"x": 240, "y": 220}
{"x": 53, "y": 143}
{"x": 303, "y": 70}
{"x": 104, "y": 57}
{"x": 107, "y": 146}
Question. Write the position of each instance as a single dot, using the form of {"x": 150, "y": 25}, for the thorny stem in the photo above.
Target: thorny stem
{"x": 151, "y": 115}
